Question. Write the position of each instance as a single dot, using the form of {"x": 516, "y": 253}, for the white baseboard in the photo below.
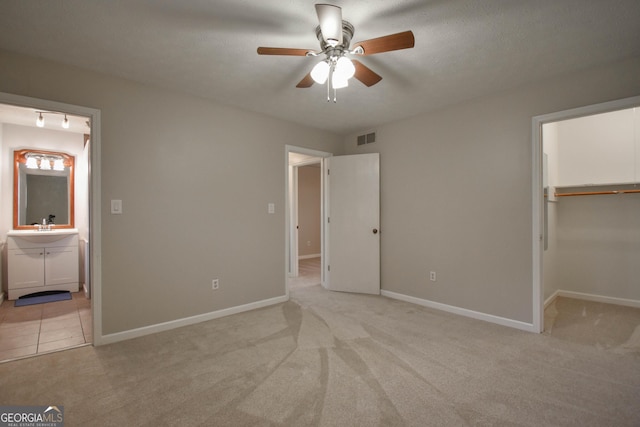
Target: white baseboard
{"x": 461, "y": 311}
{"x": 592, "y": 297}
{"x": 551, "y": 299}
{"x": 166, "y": 326}
{"x": 309, "y": 256}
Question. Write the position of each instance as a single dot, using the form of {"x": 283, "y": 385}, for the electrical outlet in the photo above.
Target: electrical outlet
{"x": 432, "y": 276}
{"x": 215, "y": 284}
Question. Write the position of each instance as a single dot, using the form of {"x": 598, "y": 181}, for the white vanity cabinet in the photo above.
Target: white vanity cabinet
{"x": 36, "y": 265}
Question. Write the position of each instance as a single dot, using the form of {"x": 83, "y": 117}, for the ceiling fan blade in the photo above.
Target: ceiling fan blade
{"x": 282, "y": 51}
{"x": 307, "y": 81}
{"x": 388, "y": 43}
{"x": 330, "y": 18}
{"x": 365, "y": 74}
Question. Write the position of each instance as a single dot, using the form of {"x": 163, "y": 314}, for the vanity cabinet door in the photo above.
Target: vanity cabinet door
{"x": 61, "y": 265}
{"x": 26, "y": 268}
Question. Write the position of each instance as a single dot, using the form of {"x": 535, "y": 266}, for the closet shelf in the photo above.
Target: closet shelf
{"x": 597, "y": 190}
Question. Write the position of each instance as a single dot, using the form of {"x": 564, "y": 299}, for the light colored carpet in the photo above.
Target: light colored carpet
{"x": 605, "y": 326}
{"x": 309, "y": 273}
{"x": 335, "y": 359}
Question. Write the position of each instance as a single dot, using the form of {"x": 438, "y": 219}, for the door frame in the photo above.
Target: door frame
{"x": 291, "y": 200}
{"x": 94, "y": 171}
{"x": 537, "y": 190}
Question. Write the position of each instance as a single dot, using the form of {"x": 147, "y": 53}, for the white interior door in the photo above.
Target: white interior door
{"x": 353, "y": 223}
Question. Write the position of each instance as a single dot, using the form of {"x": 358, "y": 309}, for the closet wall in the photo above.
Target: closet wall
{"x": 593, "y": 240}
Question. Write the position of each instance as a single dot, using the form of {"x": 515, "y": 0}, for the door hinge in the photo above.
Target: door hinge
{"x": 328, "y": 171}
{"x": 328, "y": 220}
{"x": 328, "y": 268}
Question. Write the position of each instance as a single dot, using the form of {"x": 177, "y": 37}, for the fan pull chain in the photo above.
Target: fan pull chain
{"x": 328, "y": 90}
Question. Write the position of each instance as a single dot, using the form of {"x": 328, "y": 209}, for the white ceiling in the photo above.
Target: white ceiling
{"x": 464, "y": 48}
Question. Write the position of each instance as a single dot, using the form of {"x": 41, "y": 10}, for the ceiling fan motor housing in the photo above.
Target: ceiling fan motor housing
{"x": 347, "y": 35}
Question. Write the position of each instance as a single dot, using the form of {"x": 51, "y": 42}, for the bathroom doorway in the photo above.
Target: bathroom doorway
{"x": 35, "y": 329}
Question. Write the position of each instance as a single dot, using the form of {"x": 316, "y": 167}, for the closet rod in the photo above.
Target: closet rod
{"x": 595, "y": 193}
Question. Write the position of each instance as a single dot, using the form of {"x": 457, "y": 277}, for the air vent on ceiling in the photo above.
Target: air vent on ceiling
{"x": 367, "y": 138}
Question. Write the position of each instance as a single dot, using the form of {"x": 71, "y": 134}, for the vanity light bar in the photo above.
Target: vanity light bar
{"x": 38, "y": 161}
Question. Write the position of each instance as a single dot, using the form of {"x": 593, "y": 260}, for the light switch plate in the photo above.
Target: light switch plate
{"x": 116, "y": 207}
{"x": 271, "y": 208}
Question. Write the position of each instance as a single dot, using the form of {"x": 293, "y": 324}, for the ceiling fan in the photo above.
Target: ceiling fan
{"x": 337, "y": 68}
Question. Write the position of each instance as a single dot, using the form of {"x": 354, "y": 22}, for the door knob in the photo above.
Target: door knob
{"x": 375, "y": 231}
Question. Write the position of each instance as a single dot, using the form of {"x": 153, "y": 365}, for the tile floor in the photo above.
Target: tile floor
{"x": 42, "y": 328}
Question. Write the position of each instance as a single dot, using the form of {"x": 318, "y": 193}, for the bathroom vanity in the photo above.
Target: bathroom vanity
{"x": 40, "y": 261}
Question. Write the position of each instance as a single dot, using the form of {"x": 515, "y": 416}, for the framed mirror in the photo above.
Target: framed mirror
{"x": 43, "y": 189}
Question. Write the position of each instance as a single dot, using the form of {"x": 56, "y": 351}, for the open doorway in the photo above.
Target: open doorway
{"x": 586, "y": 210}
{"x": 66, "y": 323}
{"x": 305, "y": 209}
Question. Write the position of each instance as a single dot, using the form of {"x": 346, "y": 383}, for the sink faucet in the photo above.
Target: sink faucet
{"x": 45, "y": 226}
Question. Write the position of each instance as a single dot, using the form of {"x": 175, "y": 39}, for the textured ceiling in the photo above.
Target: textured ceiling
{"x": 464, "y": 48}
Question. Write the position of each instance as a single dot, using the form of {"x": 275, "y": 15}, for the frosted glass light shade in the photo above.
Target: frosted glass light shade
{"x": 58, "y": 165}
{"x": 320, "y": 72}
{"x": 338, "y": 81}
{"x": 32, "y": 163}
{"x": 345, "y": 68}
{"x": 40, "y": 121}
{"x": 45, "y": 164}
{"x": 65, "y": 122}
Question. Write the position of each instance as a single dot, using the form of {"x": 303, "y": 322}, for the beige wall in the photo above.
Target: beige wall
{"x": 456, "y": 192}
{"x": 195, "y": 178}
{"x": 599, "y": 245}
{"x": 309, "y": 210}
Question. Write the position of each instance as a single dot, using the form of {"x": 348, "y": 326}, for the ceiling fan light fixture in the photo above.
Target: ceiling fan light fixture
{"x": 320, "y": 72}
{"x": 338, "y": 81}
{"x": 345, "y": 68}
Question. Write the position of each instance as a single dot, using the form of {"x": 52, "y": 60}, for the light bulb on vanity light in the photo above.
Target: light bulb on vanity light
{"x": 45, "y": 164}
{"x": 32, "y": 163}
{"x": 58, "y": 165}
